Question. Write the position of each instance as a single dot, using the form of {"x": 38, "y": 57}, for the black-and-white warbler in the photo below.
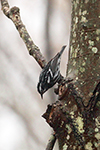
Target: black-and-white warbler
{"x": 50, "y": 74}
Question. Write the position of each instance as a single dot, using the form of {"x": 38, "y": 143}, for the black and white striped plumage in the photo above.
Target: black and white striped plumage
{"x": 50, "y": 74}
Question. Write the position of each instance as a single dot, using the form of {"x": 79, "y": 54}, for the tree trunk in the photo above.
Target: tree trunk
{"x": 75, "y": 117}
{"x": 84, "y": 57}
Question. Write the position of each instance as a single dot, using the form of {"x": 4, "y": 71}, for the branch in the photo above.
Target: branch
{"x": 14, "y": 15}
{"x": 51, "y": 142}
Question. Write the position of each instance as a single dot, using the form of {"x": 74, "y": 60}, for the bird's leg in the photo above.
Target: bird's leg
{"x": 63, "y": 80}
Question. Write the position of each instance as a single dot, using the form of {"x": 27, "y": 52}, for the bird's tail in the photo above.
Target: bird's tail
{"x": 63, "y": 48}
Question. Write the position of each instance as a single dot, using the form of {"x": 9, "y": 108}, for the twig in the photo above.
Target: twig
{"x": 51, "y": 142}
{"x": 14, "y": 15}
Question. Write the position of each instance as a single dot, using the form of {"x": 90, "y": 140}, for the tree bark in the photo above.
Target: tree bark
{"x": 75, "y": 117}
{"x": 84, "y": 57}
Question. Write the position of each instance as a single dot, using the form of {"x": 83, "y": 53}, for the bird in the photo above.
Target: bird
{"x": 50, "y": 74}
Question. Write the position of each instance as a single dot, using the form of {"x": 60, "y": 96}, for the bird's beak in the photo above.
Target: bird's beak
{"x": 42, "y": 96}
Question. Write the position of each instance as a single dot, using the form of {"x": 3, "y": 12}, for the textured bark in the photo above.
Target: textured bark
{"x": 84, "y": 57}
{"x": 75, "y": 117}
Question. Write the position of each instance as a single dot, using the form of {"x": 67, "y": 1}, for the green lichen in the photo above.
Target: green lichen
{"x": 82, "y": 69}
{"x": 91, "y": 43}
{"x": 97, "y": 136}
{"x": 76, "y": 20}
{"x": 86, "y": 1}
{"x": 74, "y": 62}
{"x": 65, "y": 146}
{"x": 79, "y": 122}
{"x": 62, "y": 123}
{"x": 97, "y": 122}
{"x": 72, "y": 114}
{"x": 69, "y": 128}
{"x": 88, "y": 146}
{"x": 96, "y": 144}
{"x": 84, "y": 63}
{"x": 98, "y": 31}
{"x": 84, "y": 12}
{"x": 94, "y": 49}
{"x": 96, "y": 130}
{"x": 74, "y": 34}
{"x": 97, "y": 38}
{"x": 77, "y": 1}
{"x": 86, "y": 37}
{"x": 76, "y": 78}
{"x": 68, "y": 137}
{"x": 83, "y": 19}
